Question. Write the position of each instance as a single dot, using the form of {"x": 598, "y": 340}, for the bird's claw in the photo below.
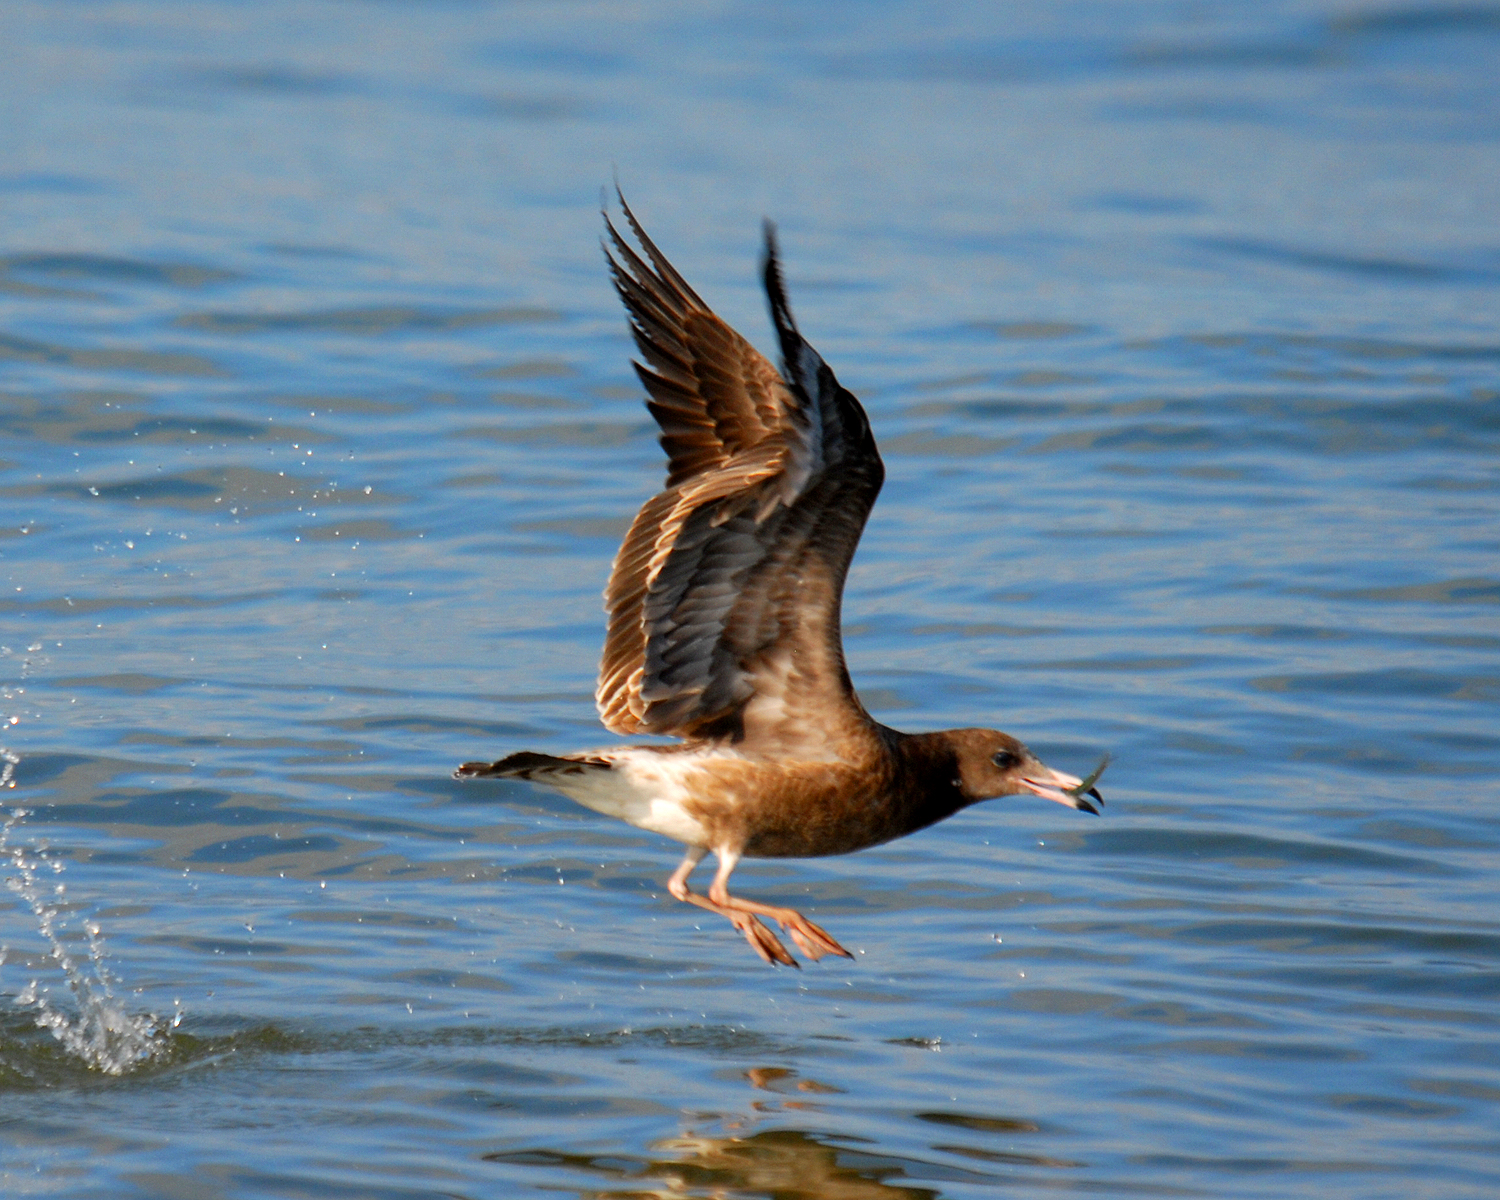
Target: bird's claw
{"x": 763, "y": 941}
{"x": 811, "y": 939}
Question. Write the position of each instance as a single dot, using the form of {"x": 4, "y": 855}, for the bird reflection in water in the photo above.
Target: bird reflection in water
{"x": 775, "y": 1162}
{"x": 789, "y": 1163}
{"x": 780, "y": 1079}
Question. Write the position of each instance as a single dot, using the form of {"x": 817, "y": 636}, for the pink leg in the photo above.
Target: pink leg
{"x": 761, "y": 939}
{"x": 811, "y": 940}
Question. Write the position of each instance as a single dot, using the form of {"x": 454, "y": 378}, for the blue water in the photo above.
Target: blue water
{"x": 1177, "y": 325}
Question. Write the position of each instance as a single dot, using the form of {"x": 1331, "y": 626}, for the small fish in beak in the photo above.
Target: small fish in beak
{"x": 1066, "y": 789}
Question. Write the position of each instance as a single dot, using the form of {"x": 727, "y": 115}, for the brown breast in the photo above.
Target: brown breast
{"x": 771, "y": 809}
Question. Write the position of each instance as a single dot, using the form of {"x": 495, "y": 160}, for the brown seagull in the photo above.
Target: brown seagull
{"x": 724, "y": 623}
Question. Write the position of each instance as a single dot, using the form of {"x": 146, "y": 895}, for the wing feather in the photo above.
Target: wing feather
{"x": 725, "y": 596}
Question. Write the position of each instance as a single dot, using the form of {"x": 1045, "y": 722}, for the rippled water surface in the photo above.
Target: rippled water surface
{"x": 1177, "y": 326}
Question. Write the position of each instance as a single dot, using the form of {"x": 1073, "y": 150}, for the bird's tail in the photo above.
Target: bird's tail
{"x": 527, "y": 764}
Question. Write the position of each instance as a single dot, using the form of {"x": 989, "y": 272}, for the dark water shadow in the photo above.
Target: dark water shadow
{"x": 42, "y": 183}
{"x": 1337, "y": 42}
{"x": 31, "y": 1059}
{"x": 364, "y": 322}
{"x": 94, "y": 417}
{"x": 105, "y": 268}
{"x": 147, "y": 362}
{"x": 1391, "y": 270}
{"x": 226, "y": 491}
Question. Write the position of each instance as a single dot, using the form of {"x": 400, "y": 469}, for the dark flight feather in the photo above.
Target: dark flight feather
{"x": 725, "y": 596}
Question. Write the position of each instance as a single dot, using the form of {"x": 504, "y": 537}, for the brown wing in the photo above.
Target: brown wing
{"x": 724, "y": 600}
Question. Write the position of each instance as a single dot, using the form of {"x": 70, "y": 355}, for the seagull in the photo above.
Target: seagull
{"x": 724, "y": 628}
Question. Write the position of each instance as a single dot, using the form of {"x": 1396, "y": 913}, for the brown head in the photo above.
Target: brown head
{"x": 991, "y": 764}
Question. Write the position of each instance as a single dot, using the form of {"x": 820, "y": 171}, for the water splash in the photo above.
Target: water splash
{"x": 96, "y": 1027}
{"x": 9, "y": 759}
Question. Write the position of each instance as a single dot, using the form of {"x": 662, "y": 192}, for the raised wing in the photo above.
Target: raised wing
{"x": 724, "y": 600}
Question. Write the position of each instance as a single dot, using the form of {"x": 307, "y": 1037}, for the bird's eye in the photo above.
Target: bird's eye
{"x": 1005, "y": 759}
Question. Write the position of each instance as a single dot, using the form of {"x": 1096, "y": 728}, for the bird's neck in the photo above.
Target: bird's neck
{"x": 926, "y": 777}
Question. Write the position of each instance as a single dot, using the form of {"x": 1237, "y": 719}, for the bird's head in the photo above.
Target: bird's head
{"x": 991, "y": 764}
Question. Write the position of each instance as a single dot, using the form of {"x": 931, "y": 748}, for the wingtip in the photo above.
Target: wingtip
{"x": 781, "y": 309}
{"x": 609, "y": 224}
{"x": 664, "y": 269}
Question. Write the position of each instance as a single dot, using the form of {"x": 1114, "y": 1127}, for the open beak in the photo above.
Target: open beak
{"x": 1061, "y": 787}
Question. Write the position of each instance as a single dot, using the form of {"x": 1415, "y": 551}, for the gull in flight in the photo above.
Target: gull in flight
{"x": 724, "y": 623}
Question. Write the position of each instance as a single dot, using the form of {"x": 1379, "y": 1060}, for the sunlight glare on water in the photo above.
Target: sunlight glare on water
{"x": 1176, "y": 327}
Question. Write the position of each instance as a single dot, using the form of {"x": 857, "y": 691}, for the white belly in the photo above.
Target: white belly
{"x": 644, "y": 789}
